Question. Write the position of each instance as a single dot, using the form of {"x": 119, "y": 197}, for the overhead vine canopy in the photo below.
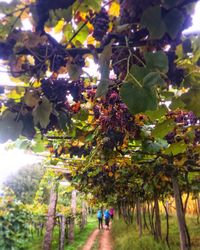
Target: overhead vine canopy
{"x": 143, "y": 103}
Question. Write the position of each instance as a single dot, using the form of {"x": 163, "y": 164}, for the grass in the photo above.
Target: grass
{"x": 81, "y": 237}
{"x": 126, "y": 237}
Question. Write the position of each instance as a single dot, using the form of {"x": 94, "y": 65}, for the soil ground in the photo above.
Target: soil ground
{"x": 105, "y": 240}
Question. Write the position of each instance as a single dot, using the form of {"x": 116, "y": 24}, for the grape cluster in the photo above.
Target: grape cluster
{"x": 75, "y": 88}
{"x": 79, "y": 151}
{"x": 79, "y": 61}
{"x": 175, "y": 75}
{"x": 55, "y": 91}
{"x": 101, "y": 24}
{"x": 113, "y": 139}
{"x": 183, "y": 117}
{"x": 56, "y": 62}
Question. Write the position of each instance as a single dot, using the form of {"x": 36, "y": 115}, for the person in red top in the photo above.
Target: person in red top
{"x": 112, "y": 211}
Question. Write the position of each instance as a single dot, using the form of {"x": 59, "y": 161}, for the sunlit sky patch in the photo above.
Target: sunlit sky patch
{"x": 12, "y": 160}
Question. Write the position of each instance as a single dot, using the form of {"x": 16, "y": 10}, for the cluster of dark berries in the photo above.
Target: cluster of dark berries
{"x": 79, "y": 60}
{"x": 101, "y": 24}
{"x": 57, "y": 62}
{"x": 55, "y": 91}
{"x": 79, "y": 151}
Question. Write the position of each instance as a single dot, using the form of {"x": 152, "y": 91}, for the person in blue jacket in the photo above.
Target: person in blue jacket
{"x": 100, "y": 218}
{"x": 107, "y": 218}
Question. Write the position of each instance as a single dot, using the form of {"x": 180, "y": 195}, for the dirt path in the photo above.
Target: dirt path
{"x": 91, "y": 240}
{"x": 105, "y": 240}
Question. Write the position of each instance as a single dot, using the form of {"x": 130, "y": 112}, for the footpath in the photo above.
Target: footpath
{"x": 100, "y": 237}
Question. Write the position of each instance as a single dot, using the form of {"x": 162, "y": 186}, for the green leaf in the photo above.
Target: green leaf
{"x": 68, "y": 31}
{"x": 9, "y": 127}
{"x": 74, "y": 71}
{"x": 138, "y": 99}
{"x": 176, "y": 148}
{"x": 102, "y": 88}
{"x": 174, "y": 21}
{"x": 83, "y": 34}
{"x": 177, "y": 103}
{"x": 163, "y": 128}
{"x": 104, "y": 63}
{"x": 137, "y": 74}
{"x": 152, "y": 20}
{"x": 154, "y": 146}
{"x": 156, "y": 114}
{"x": 39, "y": 145}
{"x": 157, "y": 61}
{"x": 82, "y": 115}
{"x": 64, "y": 120}
{"x": 152, "y": 79}
{"x": 191, "y": 100}
{"x": 42, "y": 113}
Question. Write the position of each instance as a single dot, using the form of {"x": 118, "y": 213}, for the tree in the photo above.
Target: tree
{"x": 25, "y": 182}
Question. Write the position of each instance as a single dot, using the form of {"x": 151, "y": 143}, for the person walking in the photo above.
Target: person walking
{"x": 107, "y": 218}
{"x": 100, "y": 218}
{"x": 112, "y": 211}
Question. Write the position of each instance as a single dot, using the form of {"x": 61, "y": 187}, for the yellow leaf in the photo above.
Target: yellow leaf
{"x": 16, "y": 93}
{"x": 110, "y": 174}
{"x": 114, "y": 9}
{"x": 91, "y": 40}
{"x": 36, "y": 84}
{"x": 59, "y": 26}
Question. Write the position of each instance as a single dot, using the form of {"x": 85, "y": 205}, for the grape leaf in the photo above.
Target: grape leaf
{"x": 163, "y": 128}
{"x": 176, "y": 148}
{"x": 137, "y": 74}
{"x": 157, "y": 61}
{"x": 64, "y": 120}
{"x": 104, "y": 62}
{"x": 152, "y": 79}
{"x": 156, "y": 114}
{"x": 31, "y": 98}
{"x": 39, "y": 145}
{"x": 83, "y": 34}
{"x": 137, "y": 98}
{"x": 177, "y": 103}
{"x": 191, "y": 100}
{"x": 42, "y": 113}
{"x": 174, "y": 21}
{"x": 152, "y": 20}
{"x": 9, "y": 127}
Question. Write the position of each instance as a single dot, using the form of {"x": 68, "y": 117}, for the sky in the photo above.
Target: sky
{"x": 13, "y": 160}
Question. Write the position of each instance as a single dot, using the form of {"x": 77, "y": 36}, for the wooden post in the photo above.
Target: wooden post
{"x": 83, "y": 215}
{"x": 62, "y": 232}
{"x": 50, "y": 218}
{"x": 158, "y": 233}
{"x": 72, "y": 221}
{"x": 139, "y": 217}
{"x": 180, "y": 215}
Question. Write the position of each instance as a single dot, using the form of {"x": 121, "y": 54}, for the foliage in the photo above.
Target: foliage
{"x": 14, "y": 223}
{"x": 126, "y": 237}
{"x": 25, "y": 182}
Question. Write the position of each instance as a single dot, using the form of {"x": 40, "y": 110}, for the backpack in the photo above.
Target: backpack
{"x": 107, "y": 215}
{"x": 99, "y": 214}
